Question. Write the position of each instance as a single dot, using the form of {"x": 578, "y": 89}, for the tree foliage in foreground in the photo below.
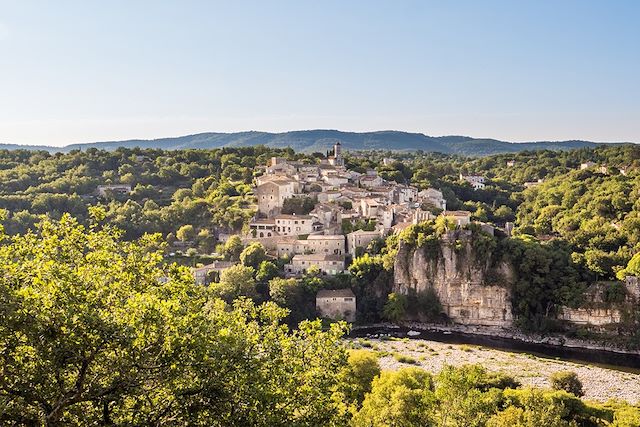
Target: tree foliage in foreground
{"x": 96, "y": 331}
{"x": 470, "y": 396}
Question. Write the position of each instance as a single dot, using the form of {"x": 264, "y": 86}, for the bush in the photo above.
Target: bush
{"x": 395, "y": 308}
{"x": 405, "y": 359}
{"x": 567, "y": 381}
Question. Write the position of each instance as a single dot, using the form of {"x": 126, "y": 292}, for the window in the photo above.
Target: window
{"x": 348, "y": 299}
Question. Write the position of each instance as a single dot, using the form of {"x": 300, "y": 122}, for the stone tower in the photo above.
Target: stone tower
{"x": 336, "y": 159}
{"x": 337, "y": 150}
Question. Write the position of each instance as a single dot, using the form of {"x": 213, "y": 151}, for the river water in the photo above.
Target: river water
{"x": 606, "y": 359}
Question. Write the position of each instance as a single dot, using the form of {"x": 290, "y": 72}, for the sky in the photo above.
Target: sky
{"x": 84, "y": 71}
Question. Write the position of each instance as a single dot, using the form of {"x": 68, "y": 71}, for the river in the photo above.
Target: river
{"x": 606, "y": 359}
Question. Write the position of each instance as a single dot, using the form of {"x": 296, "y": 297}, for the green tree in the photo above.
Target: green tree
{"x": 92, "y": 336}
{"x": 632, "y": 268}
{"x": 401, "y": 398}
{"x": 358, "y": 376}
{"x": 396, "y": 307}
{"x": 267, "y": 271}
{"x": 185, "y": 233}
{"x": 504, "y": 213}
{"x": 253, "y": 255}
{"x": 82, "y": 314}
{"x": 626, "y": 416}
{"x": 462, "y": 397}
{"x": 294, "y": 295}
{"x": 232, "y": 248}
{"x": 235, "y": 281}
{"x": 567, "y": 381}
{"x": 529, "y": 408}
{"x": 284, "y": 292}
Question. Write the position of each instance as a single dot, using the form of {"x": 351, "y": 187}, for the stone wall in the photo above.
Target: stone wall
{"x": 591, "y": 316}
{"x": 471, "y": 290}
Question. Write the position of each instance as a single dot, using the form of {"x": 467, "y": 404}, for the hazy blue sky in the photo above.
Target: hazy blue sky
{"x": 80, "y": 71}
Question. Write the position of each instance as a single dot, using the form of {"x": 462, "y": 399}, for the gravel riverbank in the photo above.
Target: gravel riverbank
{"x": 599, "y": 383}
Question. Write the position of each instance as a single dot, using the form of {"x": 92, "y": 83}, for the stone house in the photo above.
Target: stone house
{"x": 385, "y": 192}
{"x": 325, "y": 213}
{"x": 263, "y": 227}
{"x": 328, "y": 264}
{"x": 461, "y": 218}
{"x": 587, "y": 165}
{"x": 314, "y": 244}
{"x": 476, "y": 181}
{"x": 530, "y": 184}
{"x": 419, "y": 216}
{"x": 405, "y": 194}
{"x": 329, "y": 196}
{"x": 294, "y": 225}
{"x": 336, "y": 180}
{"x": 434, "y": 197}
{"x": 337, "y": 304}
{"x": 386, "y": 216}
{"x": 360, "y": 239}
{"x": 280, "y": 165}
{"x": 386, "y": 161}
{"x": 369, "y": 181}
{"x": 369, "y": 208}
{"x": 272, "y": 194}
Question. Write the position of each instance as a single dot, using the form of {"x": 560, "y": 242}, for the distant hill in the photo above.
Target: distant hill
{"x": 321, "y": 140}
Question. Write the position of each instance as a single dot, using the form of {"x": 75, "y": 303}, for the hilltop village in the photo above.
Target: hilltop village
{"x": 322, "y": 234}
{"x": 321, "y": 216}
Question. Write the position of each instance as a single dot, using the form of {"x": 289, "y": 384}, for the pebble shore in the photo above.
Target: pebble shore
{"x": 599, "y": 383}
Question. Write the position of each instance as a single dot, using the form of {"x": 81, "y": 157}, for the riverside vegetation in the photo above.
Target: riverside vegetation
{"x": 101, "y": 327}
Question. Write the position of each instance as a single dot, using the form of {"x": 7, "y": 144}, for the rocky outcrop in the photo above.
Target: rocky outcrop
{"x": 472, "y": 288}
{"x": 598, "y": 310}
{"x": 591, "y": 316}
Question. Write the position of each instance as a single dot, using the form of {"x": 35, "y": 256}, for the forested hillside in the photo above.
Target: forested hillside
{"x": 321, "y": 140}
{"x": 596, "y": 212}
{"x": 207, "y": 189}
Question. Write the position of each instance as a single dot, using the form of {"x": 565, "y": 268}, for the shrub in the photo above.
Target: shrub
{"x": 567, "y": 381}
{"x": 405, "y": 359}
{"x": 395, "y": 308}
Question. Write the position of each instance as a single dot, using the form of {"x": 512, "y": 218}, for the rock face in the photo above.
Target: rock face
{"x": 471, "y": 288}
{"x": 591, "y": 316}
{"x": 596, "y": 311}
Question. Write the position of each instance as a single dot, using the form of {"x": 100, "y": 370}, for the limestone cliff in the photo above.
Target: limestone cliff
{"x": 472, "y": 287}
{"x": 599, "y": 309}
